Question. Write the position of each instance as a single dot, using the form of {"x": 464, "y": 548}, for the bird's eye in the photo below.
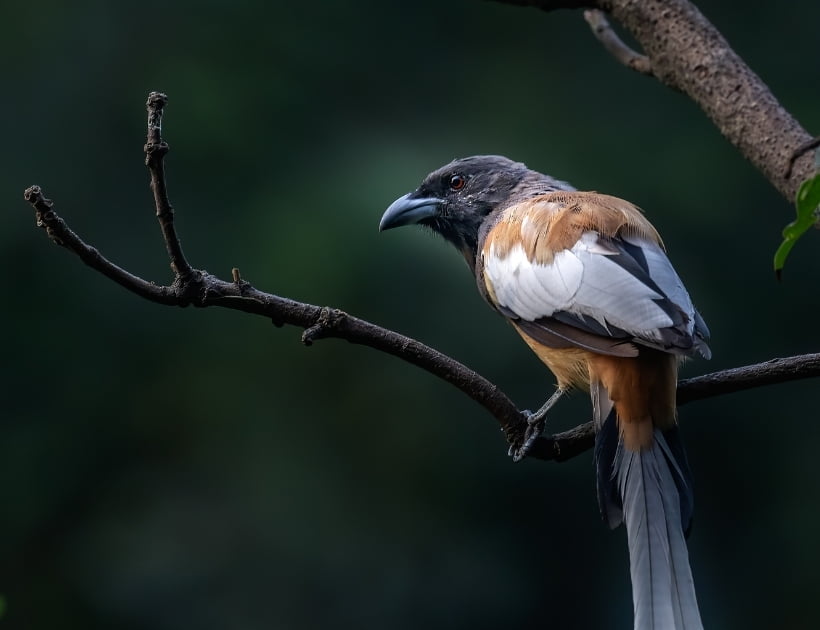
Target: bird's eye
{"x": 457, "y": 182}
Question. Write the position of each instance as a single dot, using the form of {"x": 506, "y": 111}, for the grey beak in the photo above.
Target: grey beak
{"x": 407, "y": 210}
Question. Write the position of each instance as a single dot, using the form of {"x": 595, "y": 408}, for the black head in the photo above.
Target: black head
{"x": 455, "y": 199}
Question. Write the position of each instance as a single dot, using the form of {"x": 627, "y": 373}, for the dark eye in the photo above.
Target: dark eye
{"x": 457, "y": 182}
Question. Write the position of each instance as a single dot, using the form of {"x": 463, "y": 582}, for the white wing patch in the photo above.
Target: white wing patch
{"x": 584, "y": 280}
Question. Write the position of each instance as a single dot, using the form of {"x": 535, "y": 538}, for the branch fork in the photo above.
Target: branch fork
{"x": 614, "y": 45}
{"x": 329, "y": 320}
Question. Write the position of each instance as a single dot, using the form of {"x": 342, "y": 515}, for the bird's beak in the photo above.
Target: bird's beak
{"x": 409, "y": 209}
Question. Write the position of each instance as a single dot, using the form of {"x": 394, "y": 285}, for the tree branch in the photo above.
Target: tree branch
{"x": 614, "y": 45}
{"x": 687, "y": 53}
{"x": 155, "y": 150}
{"x": 563, "y": 446}
{"x": 199, "y": 288}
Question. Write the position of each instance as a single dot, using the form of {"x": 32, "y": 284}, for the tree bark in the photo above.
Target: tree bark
{"x": 687, "y": 53}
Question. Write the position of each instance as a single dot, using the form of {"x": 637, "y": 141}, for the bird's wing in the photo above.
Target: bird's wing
{"x": 581, "y": 266}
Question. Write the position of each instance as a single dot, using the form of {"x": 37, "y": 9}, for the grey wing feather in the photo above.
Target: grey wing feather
{"x": 557, "y": 334}
{"x": 663, "y": 590}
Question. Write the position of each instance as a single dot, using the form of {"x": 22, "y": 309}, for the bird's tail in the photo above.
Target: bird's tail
{"x": 650, "y": 492}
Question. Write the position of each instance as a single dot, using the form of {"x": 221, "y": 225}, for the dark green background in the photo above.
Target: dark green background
{"x": 164, "y": 468}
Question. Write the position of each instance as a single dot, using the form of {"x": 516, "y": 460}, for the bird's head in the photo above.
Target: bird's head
{"x": 456, "y": 199}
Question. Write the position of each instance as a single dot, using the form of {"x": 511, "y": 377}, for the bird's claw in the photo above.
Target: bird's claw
{"x": 535, "y": 427}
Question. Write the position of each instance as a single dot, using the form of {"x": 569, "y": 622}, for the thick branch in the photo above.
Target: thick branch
{"x": 686, "y": 52}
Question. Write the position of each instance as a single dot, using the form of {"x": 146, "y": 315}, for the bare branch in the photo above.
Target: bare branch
{"x": 770, "y": 372}
{"x": 202, "y": 289}
{"x": 155, "y": 150}
{"x": 614, "y": 45}
{"x": 686, "y": 52}
{"x": 199, "y": 288}
{"x": 59, "y": 232}
{"x": 563, "y": 446}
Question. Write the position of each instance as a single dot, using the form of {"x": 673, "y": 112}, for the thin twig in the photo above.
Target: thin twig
{"x": 614, "y": 45}
{"x": 738, "y": 379}
{"x": 155, "y": 150}
{"x": 59, "y": 232}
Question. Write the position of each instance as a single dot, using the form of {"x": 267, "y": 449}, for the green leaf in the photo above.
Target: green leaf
{"x": 808, "y": 196}
{"x": 806, "y": 203}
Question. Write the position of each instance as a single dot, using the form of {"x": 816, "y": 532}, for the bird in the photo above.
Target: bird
{"x": 584, "y": 279}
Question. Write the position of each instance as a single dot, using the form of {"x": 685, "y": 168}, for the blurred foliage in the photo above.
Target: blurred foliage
{"x": 201, "y": 469}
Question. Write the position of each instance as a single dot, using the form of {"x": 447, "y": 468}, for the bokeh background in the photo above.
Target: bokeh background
{"x": 164, "y": 468}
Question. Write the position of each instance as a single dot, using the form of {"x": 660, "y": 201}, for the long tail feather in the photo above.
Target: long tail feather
{"x": 650, "y": 491}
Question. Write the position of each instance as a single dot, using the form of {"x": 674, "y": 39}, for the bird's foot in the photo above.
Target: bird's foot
{"x": 536, "y": 422}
